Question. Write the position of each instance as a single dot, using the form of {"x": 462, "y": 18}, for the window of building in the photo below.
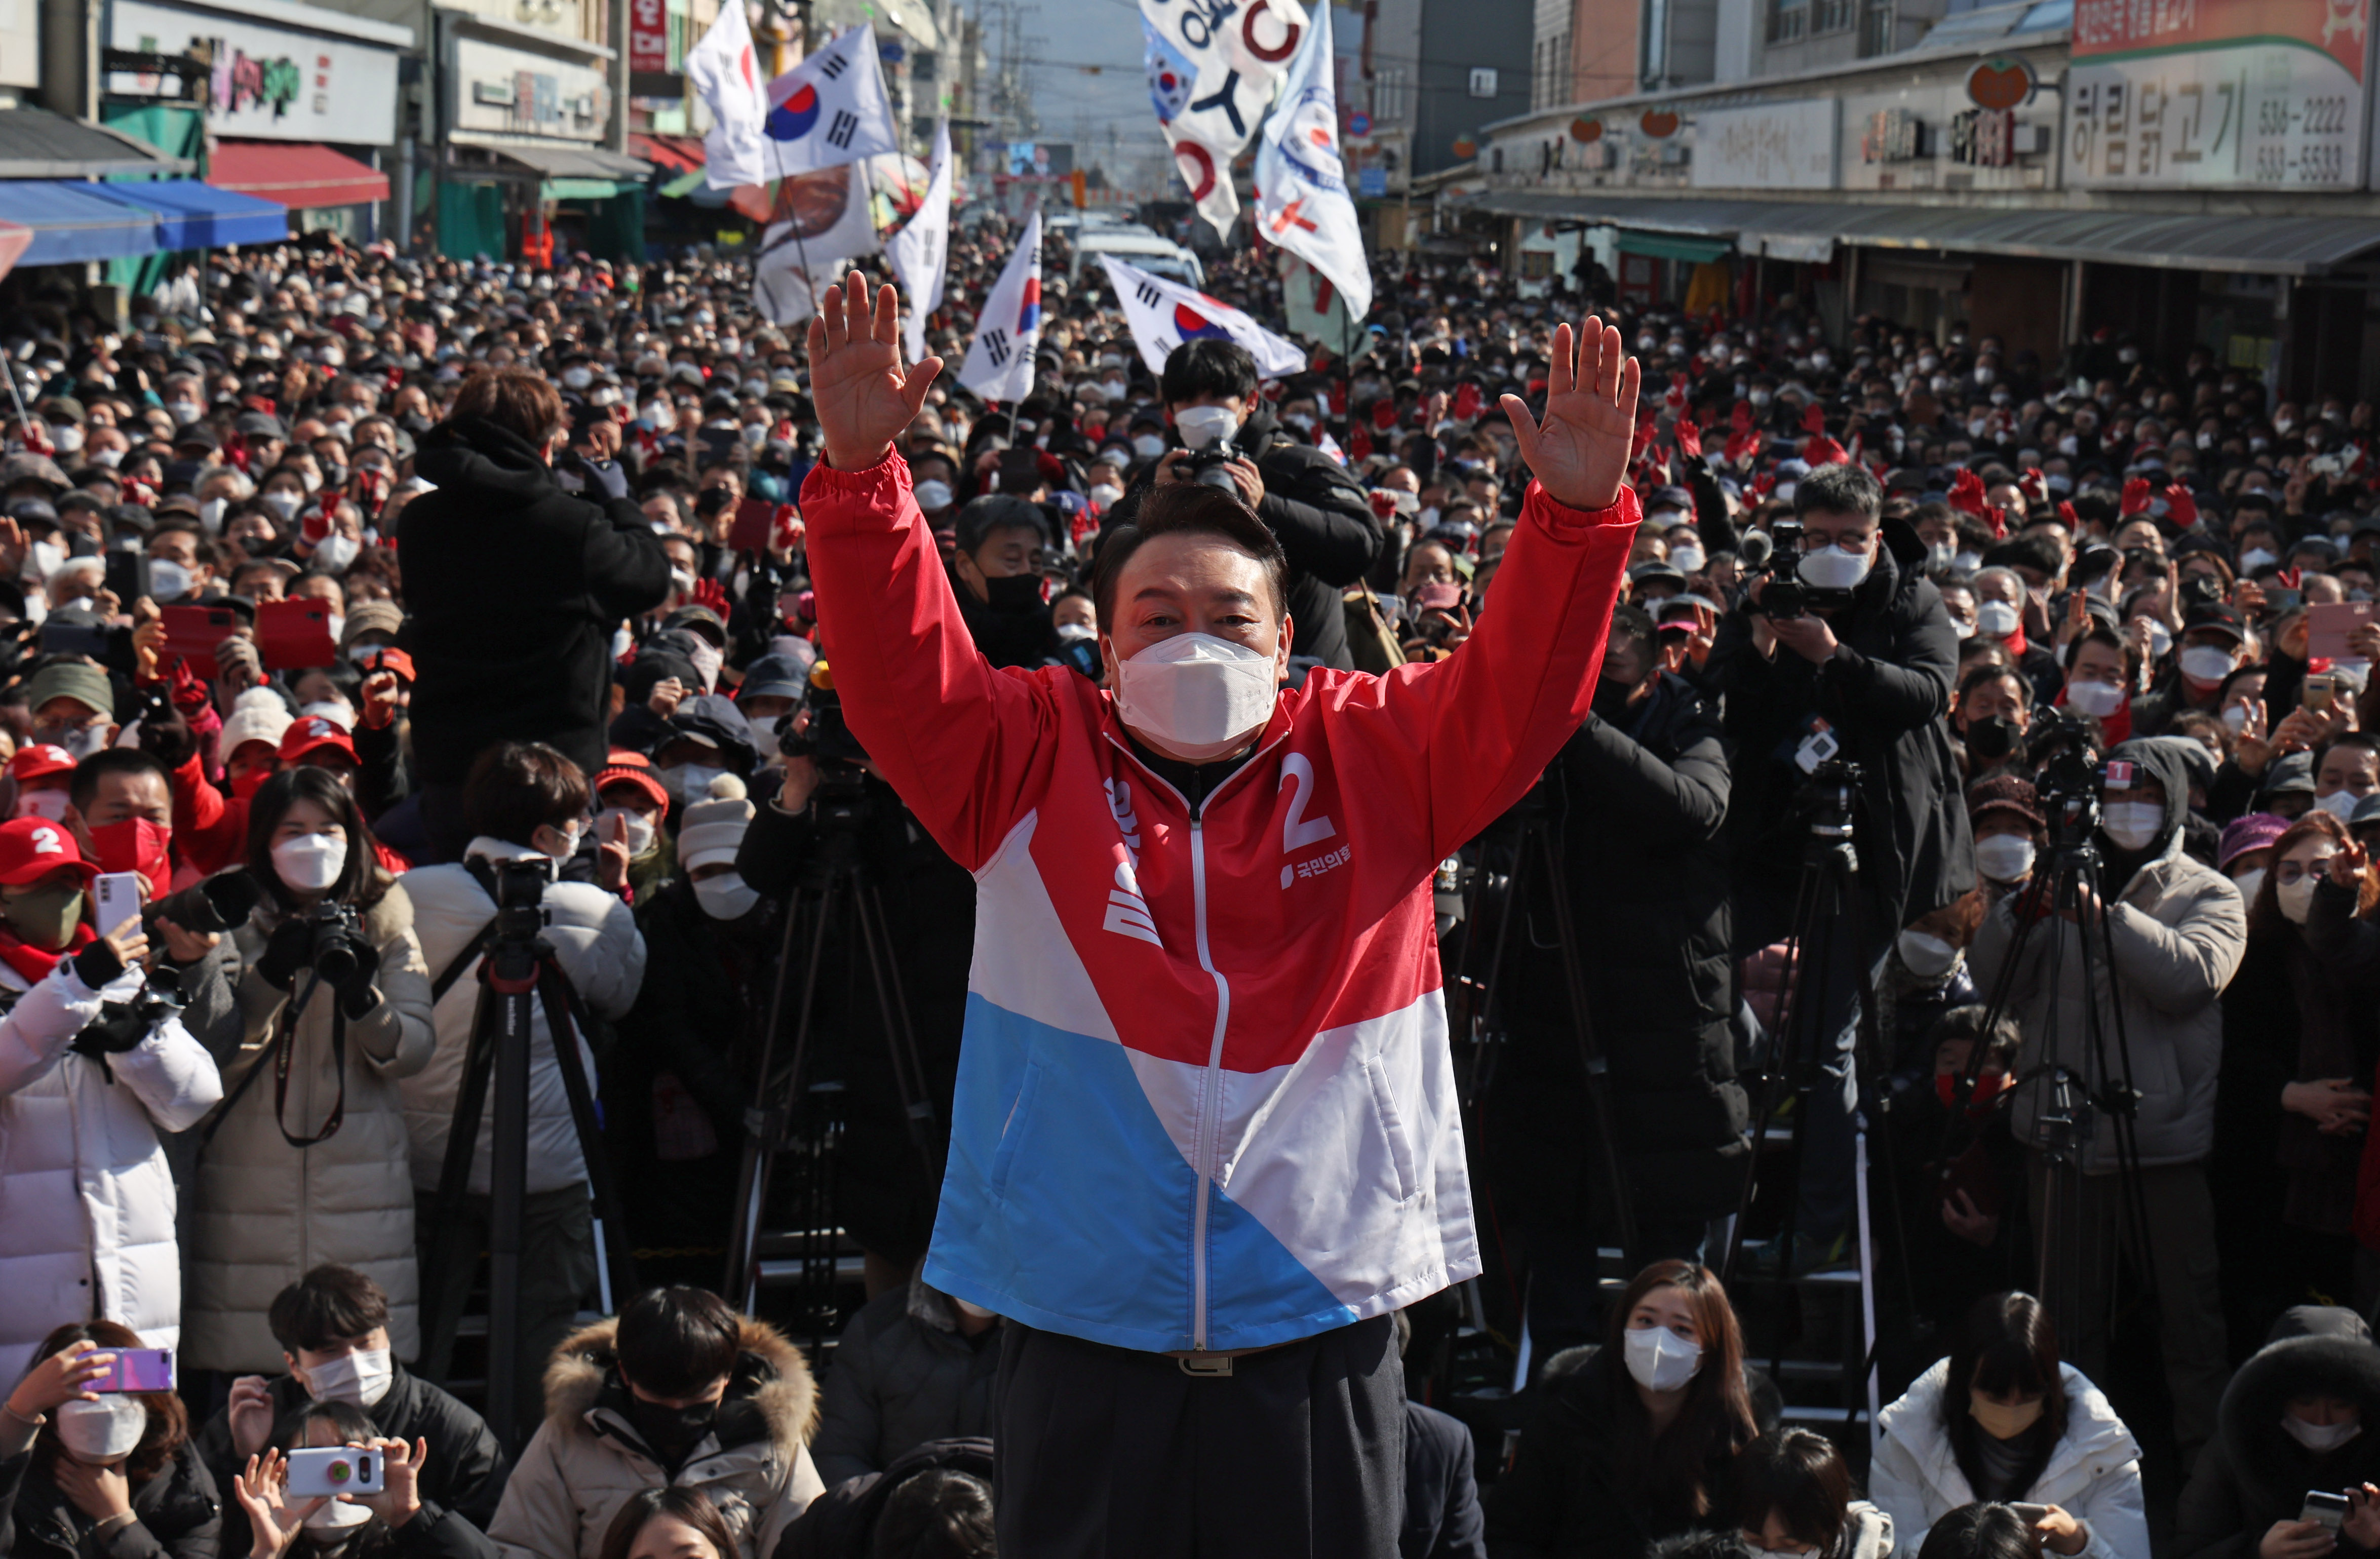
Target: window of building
{"x": 1389, "y": 95}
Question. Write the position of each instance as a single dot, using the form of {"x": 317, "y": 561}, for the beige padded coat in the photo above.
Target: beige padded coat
{"x": 268, "y": 1212}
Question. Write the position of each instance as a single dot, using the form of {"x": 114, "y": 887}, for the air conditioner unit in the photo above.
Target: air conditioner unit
{"x": 2030, "y": 140}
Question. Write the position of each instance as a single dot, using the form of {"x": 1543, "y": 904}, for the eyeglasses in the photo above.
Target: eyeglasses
{"x": 2290, "y": 871}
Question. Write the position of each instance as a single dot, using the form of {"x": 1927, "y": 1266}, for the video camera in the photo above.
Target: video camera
{"x": 122, "y": 1024}
{"x": 827, "y": 742}
{"x": 2070, "y": 782}
{"x": 1784, "y": 596}
{"x": 520, "y": 892}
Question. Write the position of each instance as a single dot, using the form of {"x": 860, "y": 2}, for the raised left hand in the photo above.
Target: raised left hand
{"x": 1807, "y": 636}
{"x": 1580, "y": 452}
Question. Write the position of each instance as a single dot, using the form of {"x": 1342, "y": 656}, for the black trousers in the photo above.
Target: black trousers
{"x": 1103, "y": 1453}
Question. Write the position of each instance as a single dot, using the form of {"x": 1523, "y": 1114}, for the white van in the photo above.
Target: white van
{"x": 1138, "y": 246}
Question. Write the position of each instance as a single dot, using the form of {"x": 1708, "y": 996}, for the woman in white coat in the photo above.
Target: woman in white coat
{"x": 2001, "y": 1419}
{"x": 86, "y": 1196}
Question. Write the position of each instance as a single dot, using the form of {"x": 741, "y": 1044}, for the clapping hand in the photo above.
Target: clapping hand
{"x": 1580, "y": 452}
{"x": 272, "y": 1522}
{"x": 864, "y": 399}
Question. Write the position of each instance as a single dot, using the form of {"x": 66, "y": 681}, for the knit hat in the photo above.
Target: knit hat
{"x": 625, "y": 767}
{"x": 2257, "y": 830}
{"x": 371, "y": 617}
{"x": 714, "y": 829}
{"x": 258, "y": 714}
{"x": 2006, "y": 793}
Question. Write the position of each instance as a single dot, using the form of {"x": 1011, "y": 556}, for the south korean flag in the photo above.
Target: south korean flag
{"x": 830, "y": 109}
{"x": 998, "y": 364}
{"x": 1164, "y": 314}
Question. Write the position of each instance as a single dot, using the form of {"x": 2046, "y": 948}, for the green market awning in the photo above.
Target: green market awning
{"x": 1669, "y": 246}
{"x": 579, "y": 188}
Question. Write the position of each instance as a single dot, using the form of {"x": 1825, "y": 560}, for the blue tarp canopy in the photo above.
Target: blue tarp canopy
{"x": 75, "y": 221}
{"x": 194, "y": 216}
{"x": 72, "y": 220}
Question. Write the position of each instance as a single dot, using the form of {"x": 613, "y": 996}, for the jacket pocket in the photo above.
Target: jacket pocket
{"x": 1393, "y": 1128}
{"x": 1012, "y": 1133}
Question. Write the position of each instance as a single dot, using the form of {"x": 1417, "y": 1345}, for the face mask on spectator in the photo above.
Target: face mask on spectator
{"x": 640, "y": 830}
{"x": 50, "y": 804}
{"x": 1147, "y": 445}
{"x": 336, "y": 552}
{"x": 334, "y": 1518}
{"x": 2004, "y": 858}
{"x": 2205, "y": 663}
{"x": 1941, "y": 557}
{"x": 2339, "y": 804}
{"x": 569, "y": 837}
{"x": 1833, "y": 568}
{"x": 671, "y": 1431}
{"x": 211, "y": 514}
{"x": 2318, "y": 1438}
{"x": 1688, "y": 560}
{"x": 283, "y": 502}
{"x": 2256, "y": 558}
{"x": 932, "y": 495}
{"x": 1105, "y": 493}
{"x": 706, "y": 658}
{"x": 2296, "y": 899}
{"x": 1996, "y": 619}
{"x": 1198, "y": 695}
{"x": 1658, "y": 1360}
{"x": 1926, "y": 956}
{"x": 96, "y": 1433}
{"x": 2097, "y": 699}
{"x": 310, "y": 862}
{"x": 1202, "y": 425}
{"x": 168, "y": 579}
{"x": 2249, "y": 881}
{"x": 687, "y": 782}
{"x": 362, "y": 1377}
{"x": 726, "y": 896}
{"x": 2133, "y": 825}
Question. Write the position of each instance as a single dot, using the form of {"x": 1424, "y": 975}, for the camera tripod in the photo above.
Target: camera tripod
{"x": 1536, "y": 858}
{"x": 2069, "y": 1118}
{"x": 795, "y": 1116}
{"x": 518, "y": 966}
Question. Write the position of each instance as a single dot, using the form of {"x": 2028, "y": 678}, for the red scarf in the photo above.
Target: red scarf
{"x": 31, "y": 962}
{"x": 2015, "y": 641}
{"x": 2116, "y": 727}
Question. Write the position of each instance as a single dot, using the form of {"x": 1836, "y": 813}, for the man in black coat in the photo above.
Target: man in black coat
{"x": 2298, "y": 1415}
{"x": 1863, "y": 676}
{"x": 1320, "y": 514}
{"x": 1636, "y": 801}
{"x": 515, "y": 588}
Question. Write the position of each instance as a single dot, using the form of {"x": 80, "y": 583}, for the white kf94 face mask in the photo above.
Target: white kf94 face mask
{"x": 1198, "y": 695}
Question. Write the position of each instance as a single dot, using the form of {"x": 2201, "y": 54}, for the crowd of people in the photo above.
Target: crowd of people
{"x": 1977, "y": 782}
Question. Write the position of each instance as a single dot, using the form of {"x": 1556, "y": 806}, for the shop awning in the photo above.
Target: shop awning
{"x": 194, "y": 216}
{"x": 299, "y": 175}
{"x": 75, "y": 221}
{"x": 1669, "y": 246}
{"x": 558, "y": 161}
{"x": 2295, "y": 246}
{"x": 671, "y": 153}
{"x": 36, "y": 144}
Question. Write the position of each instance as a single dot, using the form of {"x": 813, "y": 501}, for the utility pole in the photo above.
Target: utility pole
{"x": 617, "y": 136}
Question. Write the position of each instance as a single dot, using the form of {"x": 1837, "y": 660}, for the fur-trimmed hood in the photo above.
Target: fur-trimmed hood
{"x": 770, "y": 1375}
{"x": 2312, "y": 1348}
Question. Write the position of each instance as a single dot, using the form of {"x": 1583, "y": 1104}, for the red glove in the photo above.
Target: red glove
{"x": 315, "y": 528}
{"x": 1690, "y": 438}
{"x": 1467, "y": 402}
{"x": 1742, "y": 445}
{"x": 1675, "y": 399}
{"x": 235, "y": 449}
{"x": 2066, "y": 512}
{"x": 2033, "y": 485}
{"x": 1384, "y": 414}
{"x": 1814, "y": 419}
{"x": 711, "y": 593}
{"x": 2179, "y": 507}
{"x": 2136, "y": 498}
{"x": 1337, "y": 398}
{"x": 37, "y": 437}
{"x": 1644, "y": 437}
{"x": 785, "y": 529}
{"x": 1762, "y": 483}
{"x": 1359, "y": 443}
{"x": 1967, "y": 494}
{"x": 1739, "y": 418}
{"x": 1820, "y": 450}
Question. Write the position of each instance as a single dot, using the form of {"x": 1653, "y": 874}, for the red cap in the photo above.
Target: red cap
{"x": 623, "y": 767}
{"x": 40, "y": 761}
{"x": 388, "y": 658}
{"x": 31, "y": 848}
{"x": 311, "y": 734}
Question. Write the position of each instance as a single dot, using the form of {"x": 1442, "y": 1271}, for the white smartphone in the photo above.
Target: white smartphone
{"x": 118, "y": 901}
{"x": 336, "y": 1469}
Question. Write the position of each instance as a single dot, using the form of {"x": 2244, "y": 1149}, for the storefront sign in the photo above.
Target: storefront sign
{"x": 266, "y": 83}
{"x": 648, "y": 34}
{"x": 1770, "y": 146}
{"x": 512, "y": 91}
{"x": 2217, "y": 93}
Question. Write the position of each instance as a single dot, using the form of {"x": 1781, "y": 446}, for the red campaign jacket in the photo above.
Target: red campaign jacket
{"x": 1205, "y": 1098}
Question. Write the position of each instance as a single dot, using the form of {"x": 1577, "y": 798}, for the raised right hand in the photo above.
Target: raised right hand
{"x": 59, "y": 1378}
{"x": 864, "y": 399}
{"x": 251, "y": 1414}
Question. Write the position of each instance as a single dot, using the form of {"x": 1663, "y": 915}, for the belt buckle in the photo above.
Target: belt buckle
{"x": 1211, "y": 1368}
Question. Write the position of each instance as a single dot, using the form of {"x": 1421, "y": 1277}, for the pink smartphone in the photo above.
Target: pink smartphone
{"x": 139, "y": 1370}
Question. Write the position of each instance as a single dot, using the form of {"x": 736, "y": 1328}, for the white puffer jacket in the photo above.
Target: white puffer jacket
{"x": 2094, "y": 1473}
{"x": 597, "y": 943}
{"x": 86, "y": 1198}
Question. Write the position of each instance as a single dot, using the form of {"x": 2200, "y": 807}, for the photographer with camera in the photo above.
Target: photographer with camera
{"x": 1840, "y": 652}
{"x": 1638, "y": 797}
{"x": 887, "y": 1199}
{"x": 92, "y": 1070}
{"x": 293, "y": 1167}
{"x": 1226, "y": 436}
{"x": 525, "y": 803}
{"x": 2175, "y": 933}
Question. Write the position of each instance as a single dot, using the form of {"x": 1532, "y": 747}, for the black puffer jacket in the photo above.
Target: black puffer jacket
{"x": 2253, "y": 1473}
{"x": 1885, "y": 694}
{"x": 514, "y": 589}
{"x": 1639, "y": 807}
{"x": 903, "y": 1374}
{"x": 180, "y": 1511}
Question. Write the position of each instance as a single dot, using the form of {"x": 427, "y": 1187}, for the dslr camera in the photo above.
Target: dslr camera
{"x": 333, "y": 932}
{"x": 1211, "y": 466}
{"x": 1784, "y": 596}
{"x": 827, "y": 742}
